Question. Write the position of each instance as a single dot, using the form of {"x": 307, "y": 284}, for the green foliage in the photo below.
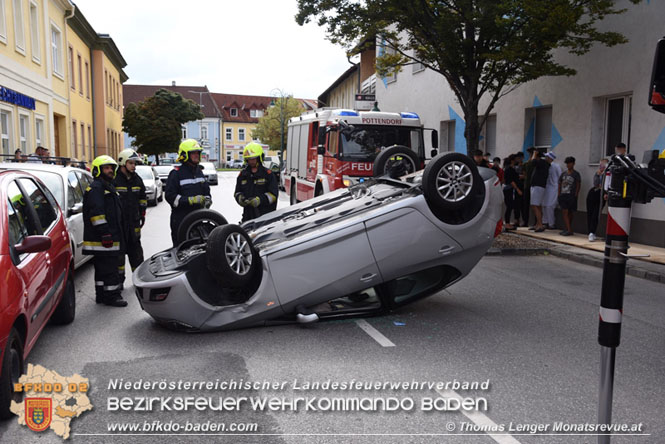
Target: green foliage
{"x": 268, "y": 129}
{"x": 480, "y": 47}
{"x": 155, "y": 123}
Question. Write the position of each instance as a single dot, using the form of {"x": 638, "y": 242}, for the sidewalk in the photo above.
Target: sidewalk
{"x": 578, "y": 248}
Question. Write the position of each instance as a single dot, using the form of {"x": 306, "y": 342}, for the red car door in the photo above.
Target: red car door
{"x": 33, "y": 268}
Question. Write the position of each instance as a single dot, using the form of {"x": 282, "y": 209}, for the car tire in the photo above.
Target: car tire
{"x": 451, "y": 182}
{"x": 396, "y": 161}
{"x": 199, "y": 223}
{"x": 65, "y": 312}
{"x": 12, "y": 369}
{"x": 152, "y": 203}
{"x": 161, "y": 197}
{"x": 231, "y": 257}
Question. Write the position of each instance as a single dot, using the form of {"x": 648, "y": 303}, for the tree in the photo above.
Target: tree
{"x": 480, "y": 47}
{"x": 155, "y": 123}
{"x": 270, "y": 126}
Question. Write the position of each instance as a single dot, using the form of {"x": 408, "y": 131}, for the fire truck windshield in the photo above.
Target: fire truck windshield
{"x": 363, "y": 142}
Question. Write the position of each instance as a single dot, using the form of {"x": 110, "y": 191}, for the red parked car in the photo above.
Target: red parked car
{"x": 36, "y": 265}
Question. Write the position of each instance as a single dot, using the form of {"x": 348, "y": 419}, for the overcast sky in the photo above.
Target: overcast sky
{"x": 236, "y": 47}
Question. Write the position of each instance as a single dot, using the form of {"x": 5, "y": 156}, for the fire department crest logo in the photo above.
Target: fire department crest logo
{"x": 38, "y": 413}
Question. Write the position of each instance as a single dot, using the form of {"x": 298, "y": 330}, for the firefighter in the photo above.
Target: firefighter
{"x": 131, "y": 189}
{"x": 186, "y": 188}
{"x": 256, "y": 186}
{"x": 103, "y": 234}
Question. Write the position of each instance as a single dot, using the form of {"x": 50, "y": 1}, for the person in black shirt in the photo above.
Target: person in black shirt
{"x": 511, "y": 192}
{"x": 256, "y": 187}
{"x": 538, "y": 182}
{"x": 479, "y": 158}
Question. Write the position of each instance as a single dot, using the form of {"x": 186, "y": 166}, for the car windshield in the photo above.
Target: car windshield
{"x": 208, "y": 165}
{"x": 144, "y": 173}
{"x": 363, "y": 142}
{"x": 53, "y": 182}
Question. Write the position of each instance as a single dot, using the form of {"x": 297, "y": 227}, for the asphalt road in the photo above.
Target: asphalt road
{"x": 527, "y": 325}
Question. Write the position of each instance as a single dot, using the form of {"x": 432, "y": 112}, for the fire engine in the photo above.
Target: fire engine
{"x": 332, "y": 148}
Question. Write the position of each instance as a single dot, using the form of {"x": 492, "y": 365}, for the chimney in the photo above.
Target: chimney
{"x": 172, "y": 82}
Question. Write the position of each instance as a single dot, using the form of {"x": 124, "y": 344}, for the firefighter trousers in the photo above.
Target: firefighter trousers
{"x": 135, "y": 254}
{"x": 108, "y": 285}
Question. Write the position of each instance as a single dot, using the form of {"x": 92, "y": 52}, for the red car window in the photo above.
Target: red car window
{"x": 45, "y": 211}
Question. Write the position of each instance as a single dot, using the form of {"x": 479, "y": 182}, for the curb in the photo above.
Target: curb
{"x": 586, "y": 259}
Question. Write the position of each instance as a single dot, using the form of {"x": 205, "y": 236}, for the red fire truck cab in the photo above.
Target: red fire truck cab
{"x": 330, "y": 149}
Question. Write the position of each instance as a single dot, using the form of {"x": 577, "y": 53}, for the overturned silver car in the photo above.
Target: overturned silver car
{"x": 364, "y": 250}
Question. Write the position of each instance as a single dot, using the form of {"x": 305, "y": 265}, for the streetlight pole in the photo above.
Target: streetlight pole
{"x": 276, "y": 92}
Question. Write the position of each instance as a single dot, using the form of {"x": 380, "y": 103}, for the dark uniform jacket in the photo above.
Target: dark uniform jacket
{"x": 133, "y": 200}
{"x": 102, "y": 214}
{"x": 184, "y": 181}
{"x": 263, "y": 184}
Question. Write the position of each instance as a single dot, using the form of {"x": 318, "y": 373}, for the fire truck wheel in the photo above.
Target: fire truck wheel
{"x": 451, "y": 182}
{"x": 199, "y": 224}
{"x": 231, "y": 257}
{"x": 396, "y": 161}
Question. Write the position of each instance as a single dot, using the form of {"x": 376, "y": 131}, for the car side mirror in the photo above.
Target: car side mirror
{"x": 33, "y": 244}
{"x": 76, "y": 209}
{"x": 433, "y": 153}
{"x": 435, "y": 140}
{"x": 320, "y": 150}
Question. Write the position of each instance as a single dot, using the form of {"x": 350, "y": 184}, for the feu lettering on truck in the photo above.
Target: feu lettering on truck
{"x": 381, "y": 121}
{"x": 357, "y": 166}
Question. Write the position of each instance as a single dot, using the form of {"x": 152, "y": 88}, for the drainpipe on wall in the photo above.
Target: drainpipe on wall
{"x": 69, "y": 87}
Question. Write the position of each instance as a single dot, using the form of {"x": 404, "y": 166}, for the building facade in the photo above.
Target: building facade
{"x": 583, "y": 116}
{"x": 34, "y": 93}
{"x": 207, "y": 131}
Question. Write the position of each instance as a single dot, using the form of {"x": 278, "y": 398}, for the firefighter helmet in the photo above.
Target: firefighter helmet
{"x": 100, "y": 161}
{"x": 186, "y": 147}
{"x": 251, "y": 151}
{"x": 128, "y": 154}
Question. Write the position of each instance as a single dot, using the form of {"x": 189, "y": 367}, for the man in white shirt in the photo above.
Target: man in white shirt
{"x": 551, "y": 191}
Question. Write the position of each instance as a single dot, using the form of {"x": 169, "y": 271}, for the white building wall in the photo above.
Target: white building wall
{"x": 578, "y": 106}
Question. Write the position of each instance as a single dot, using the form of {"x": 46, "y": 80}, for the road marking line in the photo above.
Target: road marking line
{"x": 480, "y": 419}
{"x": 374, "y": 333}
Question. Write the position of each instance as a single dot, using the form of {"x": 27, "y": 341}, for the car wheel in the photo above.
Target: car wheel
{"x": 396, "y": 161}
{"x": 451, "y": 181}
{"x": 12, "y": 369}
{"x": 199, "y": 224}
{"x": 294, "y": 199}
{"x": 65, "y": 312}
{"x": 161, "y": 197}
{"x": 231, "y": 256}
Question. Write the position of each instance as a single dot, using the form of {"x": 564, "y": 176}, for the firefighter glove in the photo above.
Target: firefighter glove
{"x": 107, "y": 241}
{"x": 240, "y": 198}
{"x": 254, "y": 201}
{"x": 196, "y": 200}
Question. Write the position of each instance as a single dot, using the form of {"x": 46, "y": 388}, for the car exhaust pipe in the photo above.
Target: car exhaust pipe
{"x": 305, "y": 315}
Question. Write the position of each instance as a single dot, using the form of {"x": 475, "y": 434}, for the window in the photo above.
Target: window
{"x": 447, "y": 136}
{"x": 234, "y": 112}
{"x": 74, "y": 146}
{"x": 392, "y": 77}
{"x": 417, "y": 67}
{"x": 241, "y": 134}
{"x": 90, "y": 154}
{"x": 6, "y": 131}
{"x": 617, "y": 122}
{"x": 34, "y": 33}
{"x": 543, "y": 127}
{"x": 229, "y": 156}
{"x": 17, "y": 229}
{"x": 204, "y": 132}
{"x": 80, "y": 66}
{"x": 39, "y": 131}
{"x": 56, "y": 50}
{"x": 82, "y": 141}
{"x": 3, "y": 23}
{"x": 229, "y": 133}
{"x": 87, "y": 79}
{"x": 19, "y": 34}
{"x": 488, "y": 142}
{"x": 74, "y": 192}
{"x": 106, "y": 87}
{"x": 256, "y": 113}
{"x": 184, "y": 132}
{"x": 45, "y": 211}
{"x": 70, "y": 60}
{"x": 23, "y": 122}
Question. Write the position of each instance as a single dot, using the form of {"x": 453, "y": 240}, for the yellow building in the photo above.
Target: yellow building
{"x": 34, "y": 97}
{"x": 95, "y": 90}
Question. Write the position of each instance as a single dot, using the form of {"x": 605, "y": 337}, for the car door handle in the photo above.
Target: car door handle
{"x": 368, "y": 277}
{"x": 446, "y": 249}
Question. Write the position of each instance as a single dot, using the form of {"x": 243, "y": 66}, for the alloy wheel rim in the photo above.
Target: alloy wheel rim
{"x": 454, "y": 181}
{"x": 238, "y": 253}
